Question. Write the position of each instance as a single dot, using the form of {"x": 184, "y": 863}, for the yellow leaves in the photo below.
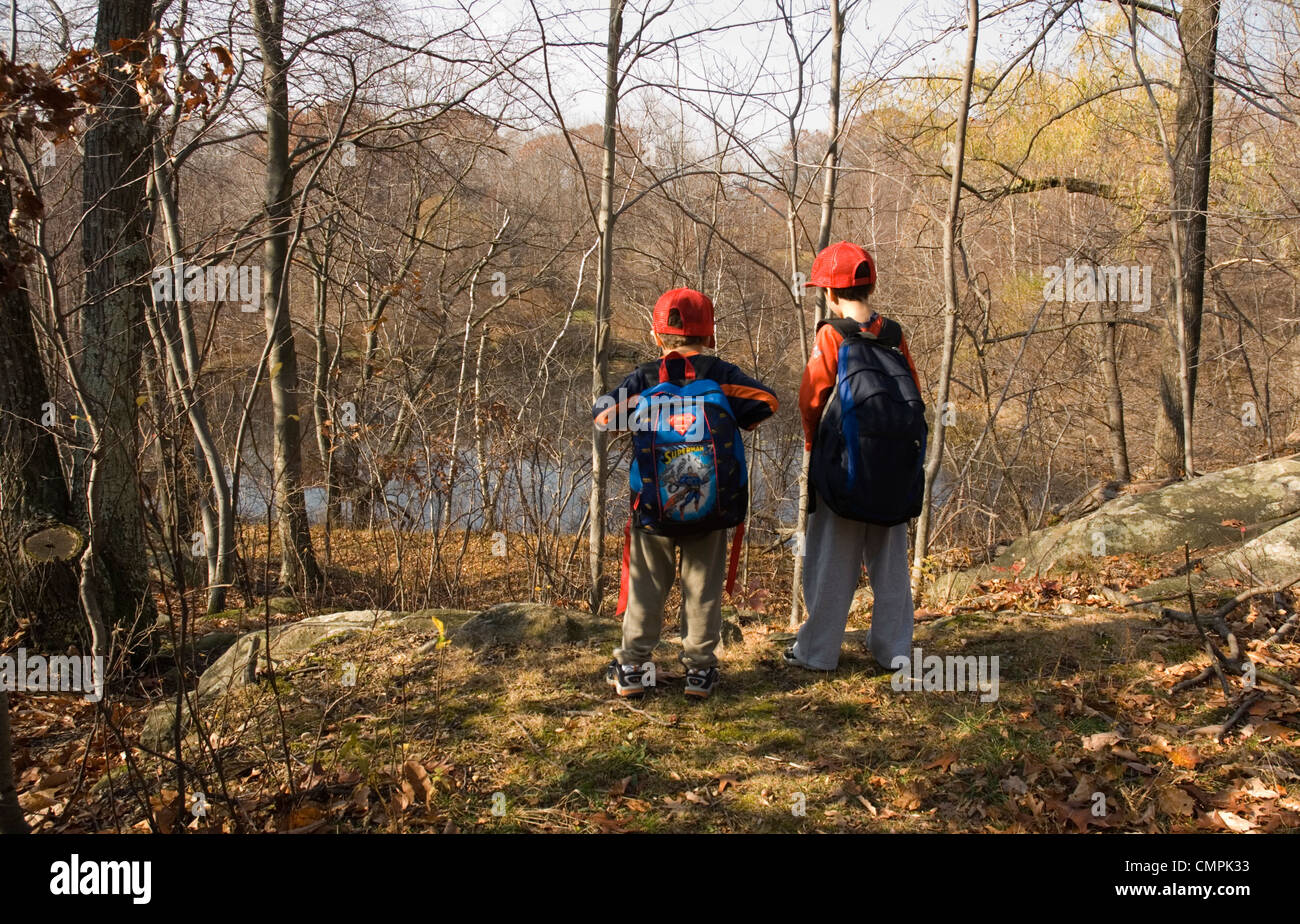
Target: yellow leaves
{"x": 443, "y": 641}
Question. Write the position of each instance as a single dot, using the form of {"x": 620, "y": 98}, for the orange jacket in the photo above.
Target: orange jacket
{"x": 819, "y": 374}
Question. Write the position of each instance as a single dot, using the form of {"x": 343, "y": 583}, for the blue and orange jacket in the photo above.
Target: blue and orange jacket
{"x": 751, "y": 401}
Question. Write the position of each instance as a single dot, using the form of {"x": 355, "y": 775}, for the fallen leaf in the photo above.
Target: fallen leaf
{"x": 1174, "y": 801}
{"x": 1233, "y": 822}
{"x": 1100, "y": 740}
{"x": 942, "y": 762}
{"x": 1014, "y": 784}
{"x": 1083, "y": 790}
{"x": 36, "y": 801}
{"x": 910, "y": 799}
{"x": 1257, "y": 790}
{"x": 621, "y": 786}
{"x": 417, "y": 783}
{"x": 305, "y": 815}
{"x": 1274, "y": 730}
{"x": 1186, "y": 757}
{"x": 607, "y": 823}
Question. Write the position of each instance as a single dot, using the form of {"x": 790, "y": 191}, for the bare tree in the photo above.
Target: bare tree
{"x": 298, "y": 566}
{"x": 951, "y": 302}
{"x": 37, "y": 527}
{"x": 115, "y": 253}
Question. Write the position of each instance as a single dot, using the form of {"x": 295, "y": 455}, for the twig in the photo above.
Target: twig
{"x": 537, "y": 748}
{"x": 1232, "y": 720}
{"x": 1216, "y": 656}
{"x": 1282, "y": 629}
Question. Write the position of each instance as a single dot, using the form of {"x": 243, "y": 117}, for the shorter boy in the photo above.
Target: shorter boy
{"x": 683, "y": 329}
{"x": 837, "y": 547}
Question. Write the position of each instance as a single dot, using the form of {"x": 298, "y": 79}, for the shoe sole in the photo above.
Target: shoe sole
{"x": 697, "y": 694}
{"x": 626, "y": 692}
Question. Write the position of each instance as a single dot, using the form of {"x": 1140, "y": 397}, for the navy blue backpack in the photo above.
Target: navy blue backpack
{"x": 868, "y": 460}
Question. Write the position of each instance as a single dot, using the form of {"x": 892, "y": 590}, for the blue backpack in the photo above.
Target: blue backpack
{"x": 688, "y": 472}
{"x": 868, "y": 460}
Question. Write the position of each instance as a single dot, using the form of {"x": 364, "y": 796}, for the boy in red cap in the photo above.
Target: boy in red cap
{"x": 837, "y": 546}
{"x": 682, "y": 490}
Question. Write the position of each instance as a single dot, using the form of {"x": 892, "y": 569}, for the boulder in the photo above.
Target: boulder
{"x": 1266, "y": 559}
{"x": 238, "y": 665}
{"x": 514, "y": 624}
{"x": 1211, "y": 510}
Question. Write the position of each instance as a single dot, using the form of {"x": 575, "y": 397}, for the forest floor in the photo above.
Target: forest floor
{"x": 1084, "y": 735}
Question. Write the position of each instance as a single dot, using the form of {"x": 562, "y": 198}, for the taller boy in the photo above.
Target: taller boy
{"x": 864, "y": 420}
{"x": 688, "y": 484}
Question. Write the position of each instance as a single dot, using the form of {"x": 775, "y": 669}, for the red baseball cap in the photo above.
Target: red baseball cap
{"x": 694, "y": 309}
{"x": 842, "y": 266}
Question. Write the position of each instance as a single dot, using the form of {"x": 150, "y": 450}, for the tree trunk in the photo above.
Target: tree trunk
{"x": 934, "y": 452}
{"x": 831, "y": 161}
{"x": 298, "y": 566}
{"x": 11, "y": 814}
{"x": 115, "y": 253}
{"x": 1198, "y": 26}
{"x": 181, "y": 355}
{"x": 830, "y": 164}
{"x": 327, "y": 423}
{"x": 40, "y": 587}
{"x": 1114, "y": 396}
{"x": 600, "y": 337}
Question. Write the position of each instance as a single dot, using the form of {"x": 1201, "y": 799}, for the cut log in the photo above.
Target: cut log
{"x": 52, "y": 541}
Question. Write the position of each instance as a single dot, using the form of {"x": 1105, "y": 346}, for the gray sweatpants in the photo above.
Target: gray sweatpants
{"x": 652, "y": 567}
{"x": 836, "y": 549}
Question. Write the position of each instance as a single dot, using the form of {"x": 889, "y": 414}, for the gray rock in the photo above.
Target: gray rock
{"x": 532, "y": 624}
{"x": 1259, "y": 495}
{"x": 1266, "y": 559}
{"x": 238, "y": 665}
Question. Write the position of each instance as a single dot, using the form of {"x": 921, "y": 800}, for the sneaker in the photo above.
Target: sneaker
{"x": 792, "y": 659}
{"x": 626, "y": 679}
{"x": 700, "y": 683}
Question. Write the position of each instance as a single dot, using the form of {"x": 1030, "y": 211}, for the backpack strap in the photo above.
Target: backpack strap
{"x": 735, "y": 556}
{"x": 891, "y": 332}
{"x": 663, "y": 367}
{"x": 625, "y": 572}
